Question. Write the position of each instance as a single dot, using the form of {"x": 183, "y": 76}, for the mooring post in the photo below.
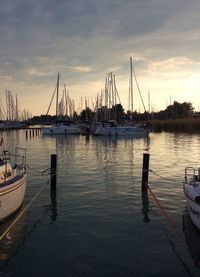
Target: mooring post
{"x": 145, "y": 171}
{"x": 26, "y": 134}
{"x": 53, "y": 171}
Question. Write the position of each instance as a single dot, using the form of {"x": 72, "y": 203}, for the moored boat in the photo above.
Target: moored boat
{"x": 12, "y": 182}
{"x": 60, "y": 129}
{"x": 191, "y": 189}
{"x": 126, "y": 131}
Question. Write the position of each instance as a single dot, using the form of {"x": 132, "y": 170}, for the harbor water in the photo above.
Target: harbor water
{"x": 98, "y": 223}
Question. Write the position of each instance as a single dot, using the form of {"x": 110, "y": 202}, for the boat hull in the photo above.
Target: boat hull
{"x": 192, "y": 206}
{"x": 12, "y": 196}
{"x": 61, "y": 130}
{"x": 120, "y": 131}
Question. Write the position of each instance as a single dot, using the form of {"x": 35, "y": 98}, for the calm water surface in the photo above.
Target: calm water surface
{"x": 99, "y": 223}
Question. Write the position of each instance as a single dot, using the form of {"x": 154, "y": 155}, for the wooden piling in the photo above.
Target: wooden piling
{"x": 145, "y": 171}
{"x": 53, "y": 171}
{"x": 26, "y": 134}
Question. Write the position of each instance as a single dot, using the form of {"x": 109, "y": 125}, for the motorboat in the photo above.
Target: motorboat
{"x": 191, "y": 189}
{"x": 12, "y": 182}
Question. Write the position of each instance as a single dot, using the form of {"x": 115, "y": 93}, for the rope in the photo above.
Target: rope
{"x": 169, "y": 219}
{"x": 177, "y": 254}
{"x": 43, "y": 172}
{"x": 22, "y": 212}
{"x": 152, "y": 171}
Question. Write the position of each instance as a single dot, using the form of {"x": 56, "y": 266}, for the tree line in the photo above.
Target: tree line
{"x": 175, "y": 111}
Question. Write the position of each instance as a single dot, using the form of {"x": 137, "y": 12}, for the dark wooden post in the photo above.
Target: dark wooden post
{"x": 26, "y": 134}
{"x": 145, "y": 171}
{"x": 53, "y": 171}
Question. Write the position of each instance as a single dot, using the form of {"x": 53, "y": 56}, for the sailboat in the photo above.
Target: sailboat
{"x": 60, "y": 127}
{"x": 191, "y": 189}
{"x": 127, "y": 130}
{"x": 12, "y": 182}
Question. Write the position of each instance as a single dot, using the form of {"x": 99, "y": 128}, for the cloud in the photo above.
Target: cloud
{"x": 80, "y": 68}
{"x": 85, "y": 39}
{"x": 34, "y": 72}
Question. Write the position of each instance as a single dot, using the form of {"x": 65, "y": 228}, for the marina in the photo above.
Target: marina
{"x": 98, "y": 222}
{"x": 99, "y": 139}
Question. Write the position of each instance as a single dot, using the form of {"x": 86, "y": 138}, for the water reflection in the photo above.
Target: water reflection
{"x": 145, "y": 206}
{"x": 12, "y": 239}
{"x": 53, "y": 206}
{"x": 192, "y": 235}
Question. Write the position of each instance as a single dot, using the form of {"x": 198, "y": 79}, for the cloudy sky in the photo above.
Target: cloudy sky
{"x": 86, "y": 39}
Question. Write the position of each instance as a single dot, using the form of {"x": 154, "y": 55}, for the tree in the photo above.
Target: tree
{"x": 178, "y": 110}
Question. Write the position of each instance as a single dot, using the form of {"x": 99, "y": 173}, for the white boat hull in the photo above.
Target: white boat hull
{"x": 61, "y": 130}
{"x": 120, "y": 131}
{"x": 12, "y": 196}
{"x": 192, "y": 205}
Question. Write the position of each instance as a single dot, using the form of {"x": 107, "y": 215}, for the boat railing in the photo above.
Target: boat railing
{"x": 6, "y": 156}
{"x": 190, "y": 176}
{"x": 20, "y": 159}
{"x": 16, "y": 160}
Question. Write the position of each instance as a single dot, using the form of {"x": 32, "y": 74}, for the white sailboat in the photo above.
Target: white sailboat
{"x": 12, "y": 183}
{"x": 191, "y": 189}
{"x": 60, "y": 127}
{"x": 128, "y": 130}
{"x": 123, "y": 131}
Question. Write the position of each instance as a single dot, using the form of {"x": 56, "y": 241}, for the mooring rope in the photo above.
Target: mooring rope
{"x": 42, "y": 172}
{"x": 169, "y": 219}
{"x": 152, "y": 171}
{"x": 177, "y": 254}
{"x": 22, "y": 212}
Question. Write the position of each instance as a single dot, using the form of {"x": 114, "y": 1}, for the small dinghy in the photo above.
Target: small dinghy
{"x": 191, "y": 188}
{"x": 12, "y": 182}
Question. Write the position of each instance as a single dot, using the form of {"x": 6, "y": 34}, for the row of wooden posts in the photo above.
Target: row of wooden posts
{"x": 32, "y": 132}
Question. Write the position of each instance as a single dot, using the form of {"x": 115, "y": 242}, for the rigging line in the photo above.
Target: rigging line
{"x": 4, "y": 112}
{"x": 22, "y": 212}
{"x": 139, "y": 90}
{"x": 51, "y": 101}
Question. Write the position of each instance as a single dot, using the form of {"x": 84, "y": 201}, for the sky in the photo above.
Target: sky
{"x": 84, "y": 40}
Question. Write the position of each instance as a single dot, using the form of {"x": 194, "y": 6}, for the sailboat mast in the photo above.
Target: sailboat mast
{"x": 131, "y": 84}
{"x": 57, "y": 95}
